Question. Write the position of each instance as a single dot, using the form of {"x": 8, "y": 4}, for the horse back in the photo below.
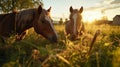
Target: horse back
{"x": 2, "y": 16}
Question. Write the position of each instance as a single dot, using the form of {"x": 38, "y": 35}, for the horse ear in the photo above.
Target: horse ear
{"x": 49, "y": 9}
{"x": 81, "y": 9}
{"x": 71, "y": 9}
{"x": 40, "y": 9}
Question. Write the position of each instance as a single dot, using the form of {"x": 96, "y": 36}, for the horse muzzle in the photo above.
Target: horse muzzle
{"x": 53, "y": 39}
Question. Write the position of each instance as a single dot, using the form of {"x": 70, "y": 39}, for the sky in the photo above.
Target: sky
{"x": 93, "y": 9}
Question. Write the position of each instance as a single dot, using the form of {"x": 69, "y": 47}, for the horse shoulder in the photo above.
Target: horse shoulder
{"x": 67, "y": 27}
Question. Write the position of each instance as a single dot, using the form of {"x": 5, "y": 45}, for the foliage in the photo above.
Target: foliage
{"x": 61, "y": 21}
{"x": 10, "y": 5}
{"x": 103, "y": 20}
{"x": 36, "y": 51}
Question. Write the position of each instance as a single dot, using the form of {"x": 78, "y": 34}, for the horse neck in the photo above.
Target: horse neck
{"x": 24, "y": 20}
{"x": 35, "y": 23}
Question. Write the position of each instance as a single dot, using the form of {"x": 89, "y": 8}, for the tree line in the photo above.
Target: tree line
{"x": 10, "y": 5}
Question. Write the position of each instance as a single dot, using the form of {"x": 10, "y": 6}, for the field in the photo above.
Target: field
{"x": 36, "y": 51}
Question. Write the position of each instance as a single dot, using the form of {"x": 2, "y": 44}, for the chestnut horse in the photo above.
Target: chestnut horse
{"x": 74, "y": 26}
{"x": 19, "y": 22}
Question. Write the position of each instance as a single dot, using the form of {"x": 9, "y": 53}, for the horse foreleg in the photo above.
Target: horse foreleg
{"x": 21, "y": 36}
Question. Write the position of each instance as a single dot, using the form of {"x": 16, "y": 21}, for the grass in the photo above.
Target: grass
{"x": 36, "y": 51}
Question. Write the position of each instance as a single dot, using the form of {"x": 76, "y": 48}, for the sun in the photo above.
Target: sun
{"x": 90, "y": 16}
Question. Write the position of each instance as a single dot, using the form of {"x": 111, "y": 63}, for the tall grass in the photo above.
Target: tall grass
{"x": 36, "y": 51}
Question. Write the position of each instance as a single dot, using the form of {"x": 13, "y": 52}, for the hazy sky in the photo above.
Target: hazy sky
{"x": 93, "y": 9}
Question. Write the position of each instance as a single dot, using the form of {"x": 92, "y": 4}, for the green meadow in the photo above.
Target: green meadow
{"x": 35, "y": 51}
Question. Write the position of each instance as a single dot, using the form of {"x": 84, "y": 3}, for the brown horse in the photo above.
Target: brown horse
{"x": 19, "y": 22}
{"x": 74, "y": 26}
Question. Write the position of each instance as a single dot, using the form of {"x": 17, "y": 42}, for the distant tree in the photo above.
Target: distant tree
{"x": 66, "y": 20}
{"x": 61, "y": 21}
{"x": 9, "y": 5}
{"x": 104, "y": 18}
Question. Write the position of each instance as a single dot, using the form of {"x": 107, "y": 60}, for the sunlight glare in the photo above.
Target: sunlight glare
{"x": 90, "y": 16}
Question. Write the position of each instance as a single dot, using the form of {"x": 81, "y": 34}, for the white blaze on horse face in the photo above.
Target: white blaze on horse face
{"x": 75, "y": 21}
{"x": 50, "y": 21}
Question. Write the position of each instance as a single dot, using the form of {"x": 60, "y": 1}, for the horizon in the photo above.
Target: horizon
{"x": 92, "y": 9}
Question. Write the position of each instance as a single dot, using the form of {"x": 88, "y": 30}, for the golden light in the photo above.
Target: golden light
{"x": 90, "y": 16}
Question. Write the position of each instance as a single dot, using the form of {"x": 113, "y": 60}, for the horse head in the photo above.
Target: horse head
{"x": 43, "y": 24}
{"x": 75, "y": 20}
